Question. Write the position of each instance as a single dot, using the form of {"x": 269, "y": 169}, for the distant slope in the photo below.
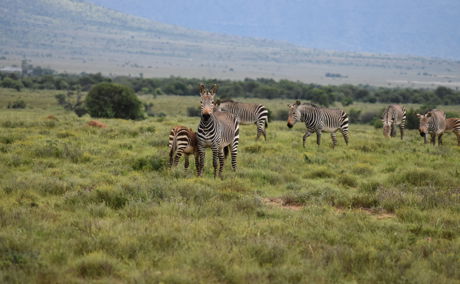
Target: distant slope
{"x": 75, "y": 36}
{"x": 422, "y": 27}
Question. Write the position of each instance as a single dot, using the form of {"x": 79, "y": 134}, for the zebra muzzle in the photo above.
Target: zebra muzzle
{"x": 205, "y": 116}
{"x": 289, "y": 125}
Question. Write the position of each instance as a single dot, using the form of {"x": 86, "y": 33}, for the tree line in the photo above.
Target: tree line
{"x": 255, "y": 88}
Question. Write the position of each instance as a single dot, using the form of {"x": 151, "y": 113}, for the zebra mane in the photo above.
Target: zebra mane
{"x": 310, "y": 104}
{"x": 227, "y": 101}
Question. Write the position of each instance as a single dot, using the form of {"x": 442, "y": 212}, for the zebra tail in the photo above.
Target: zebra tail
{"x": 226, "y": 151}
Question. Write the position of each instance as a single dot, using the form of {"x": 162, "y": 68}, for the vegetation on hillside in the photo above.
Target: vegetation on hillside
{"x": 257, "y": 88}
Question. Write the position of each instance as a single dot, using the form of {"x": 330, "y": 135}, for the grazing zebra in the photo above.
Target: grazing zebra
{"x": 318, "y": 119}
{"x": 217, "y": 130}
{"x": 434, "y": 123}
{"x": 394, "y": 115}
{"x": 247, "y": 113}
{"x": 453, "y": 124}
{"x": 182, "y": 141}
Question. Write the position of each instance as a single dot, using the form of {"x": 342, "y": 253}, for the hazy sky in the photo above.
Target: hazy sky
{"x": 418, "y": 27}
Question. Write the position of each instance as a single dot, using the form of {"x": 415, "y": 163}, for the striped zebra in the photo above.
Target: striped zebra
{"x": 453, "y": 124}
{"x": 394, "y": 116}
{"x": 247, "y": 113}
{"x": 182, "y": 141}
{"x": 433, "y": 123}
{"x": 318, "y": 119}
{"x": 217, "y": 130}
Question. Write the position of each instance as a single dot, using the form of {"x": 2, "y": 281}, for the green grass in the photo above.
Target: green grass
{"x": 79, "y": 204}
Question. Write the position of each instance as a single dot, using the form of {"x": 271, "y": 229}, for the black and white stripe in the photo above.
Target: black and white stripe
{"x": 217, "y": 130}
{"x": 318, "y": 120}
{"x": 182, "y": 141}
{"x": 247, "y": 113}
{"x": 433, "y": 123}
{"x": 394, "y": 116}
{"x": 453, "y": 124}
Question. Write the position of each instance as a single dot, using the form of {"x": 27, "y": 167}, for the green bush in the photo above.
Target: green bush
{"x": 12, "y": 84}
{"x": 17, "y": 104}
{"x": 113, "y": 101}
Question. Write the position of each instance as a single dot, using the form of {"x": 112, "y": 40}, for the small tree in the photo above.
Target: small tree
{"x": 111, "y": 100}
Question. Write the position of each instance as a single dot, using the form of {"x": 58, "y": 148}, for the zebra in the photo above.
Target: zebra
{"x": 453, "y": 124}
{"x": 434, "y": 123}
{"x": 247, "y": 113}
{"x": 182, "y": 141}
{"x": 217, "y": 130}
{"x": 394, "y": 115}
{"x": 318, "y": 119}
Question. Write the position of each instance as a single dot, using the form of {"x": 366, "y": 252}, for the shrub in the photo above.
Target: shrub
{"x": 113, "y": 101}
{"x": 12, "y": 84}
{"x": 193, "y": 111}
{"x": 17, "y": 104}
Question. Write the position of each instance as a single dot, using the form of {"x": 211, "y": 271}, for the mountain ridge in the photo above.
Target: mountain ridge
{"x": 76, "y": 36}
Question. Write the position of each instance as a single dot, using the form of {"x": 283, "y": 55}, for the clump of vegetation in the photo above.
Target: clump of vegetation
{"x": 72, "y": 102}
{"x": 18, "y": 104}
{"x": 110, "y": 100}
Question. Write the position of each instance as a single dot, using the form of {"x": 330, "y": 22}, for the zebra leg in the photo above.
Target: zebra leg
{"x": 199, "y": 161}
{"x": 234, "y": 152}
{"x": 401, "y": 129}
{"x": 458, "y": 138}
{"x": 308, "y": 133}
{"x": 176, "y": 158}
{"x": 334, "y": 140}
{"x": 318, "y": 137}
{"x": 215, "y": 154}
{"x": 265, "y": 134}
{"x": 345, "y": 135}
{"x": 433, "y": 139}
{"x": 187, "y": 162}
{"x": 171, "y": 158}
{"x": 393, "y": 130}
{"x": 261, "y": 130}
{"x": 221, "y": 162}
{"x": 440, "y": 139}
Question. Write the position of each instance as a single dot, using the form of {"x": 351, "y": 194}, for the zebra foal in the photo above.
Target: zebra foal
{"x": 453, "y": 124}
{"x": 247, "y": 113}
{"x": 182, "y": 141}
{"x": 433, "y": 123}
{"x": 217, "y": 130}
{"x": 394, "y": 116}
{"x": 318, "y": 120}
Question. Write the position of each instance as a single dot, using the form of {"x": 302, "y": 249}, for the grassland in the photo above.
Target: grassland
{"x": 81, "y": 204}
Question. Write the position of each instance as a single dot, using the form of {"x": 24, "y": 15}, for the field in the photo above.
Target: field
{"x": 80, "y": 204}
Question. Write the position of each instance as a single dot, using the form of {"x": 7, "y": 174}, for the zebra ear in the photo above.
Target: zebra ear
{"x": 202, "y": 89}
{"x": 428, "y": 114}
{"x": 419, "y": 115}
{"x": 214, "y": 89}
{"x": 297, "y": 103}
{"x": 217, "y": 102}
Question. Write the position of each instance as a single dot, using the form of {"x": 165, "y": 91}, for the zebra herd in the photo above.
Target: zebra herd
{"x": 219, "y": 127}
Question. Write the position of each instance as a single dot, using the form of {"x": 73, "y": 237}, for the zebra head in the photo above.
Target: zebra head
{"x": 423, "y": 123}
{"x": 207, "y": 101}
{"x": 294, "y": 114}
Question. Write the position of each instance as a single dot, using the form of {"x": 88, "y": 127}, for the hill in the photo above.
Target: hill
{"x": 75, "y": 36}
{"x": 424, "y": 27}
